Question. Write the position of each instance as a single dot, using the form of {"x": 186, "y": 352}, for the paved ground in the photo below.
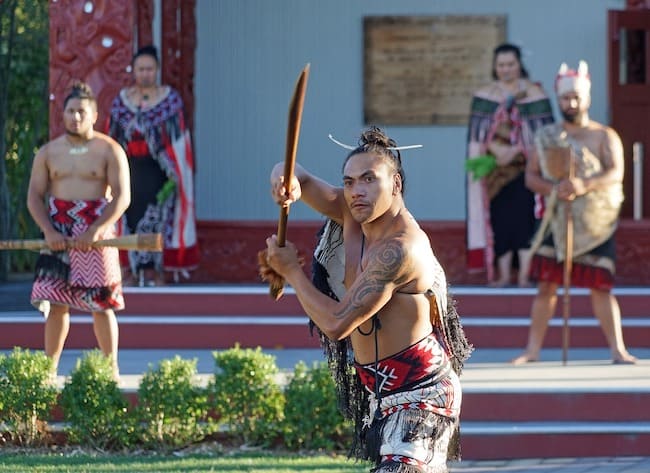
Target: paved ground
{"x": 584, "y": 371}
{"x": 557, "y": 465}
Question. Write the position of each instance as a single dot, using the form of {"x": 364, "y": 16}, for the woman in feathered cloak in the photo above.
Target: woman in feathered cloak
{"x": 500, "y": 209}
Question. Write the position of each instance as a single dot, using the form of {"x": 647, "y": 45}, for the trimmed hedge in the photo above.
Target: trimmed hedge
{"x": 244, "y": 402}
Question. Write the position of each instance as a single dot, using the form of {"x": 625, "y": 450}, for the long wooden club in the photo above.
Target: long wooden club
{"x": 293, "y": 132}
{"x": 140, "y": 242}
{"x": 568, "y": 267}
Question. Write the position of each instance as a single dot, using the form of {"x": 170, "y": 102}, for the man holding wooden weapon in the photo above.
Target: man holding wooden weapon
{"x": 393, "y": 309}
{"x": 79, "y": 188}
{"x": 578, "y": 165}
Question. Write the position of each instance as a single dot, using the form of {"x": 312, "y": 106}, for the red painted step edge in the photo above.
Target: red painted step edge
{"x": 496, "y": 447}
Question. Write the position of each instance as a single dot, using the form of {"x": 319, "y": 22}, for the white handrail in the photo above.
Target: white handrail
{"x": 637, "y": 166}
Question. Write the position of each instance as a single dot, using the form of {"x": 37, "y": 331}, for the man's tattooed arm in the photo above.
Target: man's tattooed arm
{"x": 386, "y": 269}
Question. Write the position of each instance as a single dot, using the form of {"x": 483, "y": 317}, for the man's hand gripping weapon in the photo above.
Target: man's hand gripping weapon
{"x": 276, "y": 282}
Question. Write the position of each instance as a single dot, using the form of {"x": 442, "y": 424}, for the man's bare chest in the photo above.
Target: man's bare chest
{"x": 86, "y": 166}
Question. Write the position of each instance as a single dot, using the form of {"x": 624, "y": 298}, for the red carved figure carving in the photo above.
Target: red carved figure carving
{"x": 91, "y": 41}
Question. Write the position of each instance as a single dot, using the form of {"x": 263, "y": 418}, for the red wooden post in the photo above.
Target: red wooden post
{"x": 144, "y": 14}
{"x": 177, "y": 51}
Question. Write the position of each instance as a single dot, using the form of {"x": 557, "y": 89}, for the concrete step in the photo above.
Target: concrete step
{"x": 183, "y": 317}
{"x": 502, "y": 332}
{"x": 495, "y": 441}
{"x": 255, "y": 299}
{"x": 516, "y": 302}
{"x": 168, "y": 331}
{"x": 588, "y": 407}
{"x": 287, "y": 331}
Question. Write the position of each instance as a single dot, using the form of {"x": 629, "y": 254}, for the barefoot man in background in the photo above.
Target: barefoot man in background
{"x": 596, "y": 194}
{"x": 79, "y": 187}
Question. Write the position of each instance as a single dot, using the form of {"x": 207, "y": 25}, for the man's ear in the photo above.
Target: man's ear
{"x": 397, "y": 184}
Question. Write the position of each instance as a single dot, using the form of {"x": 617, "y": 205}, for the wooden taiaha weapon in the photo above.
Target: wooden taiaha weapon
{"x": 140, "y": 242}
{"x": 293, "y": 131}
{"x": 568, "y": 266}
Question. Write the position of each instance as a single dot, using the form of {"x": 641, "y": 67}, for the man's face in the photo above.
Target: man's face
{"x": 145, "y": 69}
{"x": 507, "y": 67}
{"x": 573, "y": 106}
{"x": 79, "y": 116}
{"x": 369, "y": 185}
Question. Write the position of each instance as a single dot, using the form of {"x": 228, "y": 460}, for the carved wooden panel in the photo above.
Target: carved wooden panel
{"x": 90, "y": 40}
{"x": 422, "y": 70}
{"x": 177, "y": 52}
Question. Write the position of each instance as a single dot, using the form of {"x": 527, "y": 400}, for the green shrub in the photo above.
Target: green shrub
{"x": 94, "y": 406}
{"x": 171, "y": 406}
{"x": 247, "y": 398}
{"x": 311, "y": 416}
{"x": 26, "y": 395}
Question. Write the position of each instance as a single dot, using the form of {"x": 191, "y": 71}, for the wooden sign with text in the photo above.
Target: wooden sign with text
{"x": 423, "y": 70}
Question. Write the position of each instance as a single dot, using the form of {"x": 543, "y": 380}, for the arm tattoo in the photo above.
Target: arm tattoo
{"x": 385, "y": 266}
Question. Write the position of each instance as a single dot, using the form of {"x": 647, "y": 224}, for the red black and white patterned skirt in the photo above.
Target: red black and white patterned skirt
{"x": 594, "y": 270}
{"x": 89, "y": 281}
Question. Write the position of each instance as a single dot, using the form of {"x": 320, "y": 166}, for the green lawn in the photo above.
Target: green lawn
{"x": 84, "y": 463}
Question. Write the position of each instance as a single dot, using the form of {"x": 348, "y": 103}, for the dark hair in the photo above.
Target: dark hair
{"x": 80, "y": 90}
{"x": 375, "y": 140}
{"x": 148, "y": 50}
{"x": 508, "y": 48}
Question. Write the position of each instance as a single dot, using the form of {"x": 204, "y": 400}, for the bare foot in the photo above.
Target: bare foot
{"x": 524, "y": 358}
{"x": 116, "y": 377}
{"x": 624, "y": 359}
{"x": 53, "y": 378}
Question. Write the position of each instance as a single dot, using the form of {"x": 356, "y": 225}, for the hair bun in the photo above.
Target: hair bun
{"x": 148, "y": 50}
{"x": 374, "y": 136}
{"x": 81, "y": 89}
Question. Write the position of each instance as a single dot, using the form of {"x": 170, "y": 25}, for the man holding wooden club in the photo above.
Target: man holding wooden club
{"x": 393, "y": 310}
{"x": 578, "y": 166}
{"x": 79, "y": 188}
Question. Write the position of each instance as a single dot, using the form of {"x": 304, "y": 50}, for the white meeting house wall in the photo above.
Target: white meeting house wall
{"x": 250, "y": 52}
